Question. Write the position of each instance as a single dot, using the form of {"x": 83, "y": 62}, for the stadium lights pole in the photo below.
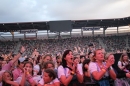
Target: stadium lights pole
{"x": 70, "y": 34}
{"x": 93, "y": 32}
{"x": 47, "y": 34}
{"x": 117, "y": 31}
{"x": 36, "y": 35}
{"x": 24, "y": 36}
{"x": 104, "y": 28}
{"x": 104, "y": 31}
{"x": 81, "y": 32}
{"x": 12, "y": 35}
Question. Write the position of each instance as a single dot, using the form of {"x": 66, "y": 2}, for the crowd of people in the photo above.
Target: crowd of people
{"x": 55, "y": 46}
{"x": 115, "y": 43}
{"x": 67, "y": 69}
{"x": 63, "y": 62}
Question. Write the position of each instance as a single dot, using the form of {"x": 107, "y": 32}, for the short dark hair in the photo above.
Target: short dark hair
{"x": 51, "y": 73}
{"x": 86, "y": 61}
{"x": 1, "y": 59}
{"x": 82, "y": 56}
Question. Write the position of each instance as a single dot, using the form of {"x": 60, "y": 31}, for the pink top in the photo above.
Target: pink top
{"x": 17, "y": 73}
{"x": 8, "y": 66}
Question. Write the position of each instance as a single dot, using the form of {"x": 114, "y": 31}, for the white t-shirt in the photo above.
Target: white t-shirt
{"x": 52, "y": 82}
{"x": 37, "y": 78}
{"x": 65, "y": 71}
{"x": 120, "y": 63}
{"x": 94, "y": 67}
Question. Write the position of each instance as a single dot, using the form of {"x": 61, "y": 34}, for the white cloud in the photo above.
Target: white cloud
{"x": 47, "y": 10}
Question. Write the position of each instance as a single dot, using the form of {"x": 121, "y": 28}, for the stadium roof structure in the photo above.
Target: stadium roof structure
{"x": 76, "y": 24}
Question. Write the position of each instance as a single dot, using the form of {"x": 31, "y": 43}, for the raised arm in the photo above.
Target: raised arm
{"x": 22, "y": 83}
{"x": 19, "y": 54}
{"x": 12, "y": 83}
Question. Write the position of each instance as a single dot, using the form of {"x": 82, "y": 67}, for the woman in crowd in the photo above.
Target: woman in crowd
{"x": 36, "y": 63}
{"x": 17, "y": 72}
{"x": 86, "y": 72}
{"x": 123, "y": 62}
{"x": 28, "y": 78}
{"x": 69, "y": 73}
{"x": 8, "y": 66}
{"x": 45, "y": 59}
{"x": 99, "y": 69}
{"x": 76, "y": 60}
{"x": 7, "y": 79}
{"x": 16, "y": 57}
{"x": 82, "y": 58}
{"x": 122, "y": 76}
{"x": 90, "y": 55}
{"x": 58, "y": 61}
{"x": 49, "y": 78}
{"x": 50, "y": 65}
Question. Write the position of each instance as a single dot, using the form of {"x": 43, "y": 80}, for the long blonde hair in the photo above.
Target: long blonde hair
{"x": 124, "y": 54}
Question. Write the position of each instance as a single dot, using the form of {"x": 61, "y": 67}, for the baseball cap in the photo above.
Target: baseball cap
{"x": 21, "y": 59}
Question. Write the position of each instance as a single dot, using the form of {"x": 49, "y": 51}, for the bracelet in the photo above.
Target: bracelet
{"x": 103, "y": 70}
{"x": 72, "y": 73}
{"x": 110, "y": 68}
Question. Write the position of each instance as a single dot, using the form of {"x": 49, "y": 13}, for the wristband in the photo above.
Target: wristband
{"x": 72, "y": 73}
{"x": 29, "y": 76}
{"x": 110, "y": 68}
{"x": 103, "y": 70}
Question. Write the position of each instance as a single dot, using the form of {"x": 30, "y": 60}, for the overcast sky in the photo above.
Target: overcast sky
{"x": 47, "y": 10}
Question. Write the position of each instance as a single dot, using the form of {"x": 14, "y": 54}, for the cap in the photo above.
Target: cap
{"x": 36, "y": 68}
{"x": 21, "y": 59}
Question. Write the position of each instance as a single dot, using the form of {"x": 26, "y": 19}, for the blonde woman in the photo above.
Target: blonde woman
{"x": 124, "y": 60}
{"x": 100, "y": 70}
{"x": 122, "y": 77}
